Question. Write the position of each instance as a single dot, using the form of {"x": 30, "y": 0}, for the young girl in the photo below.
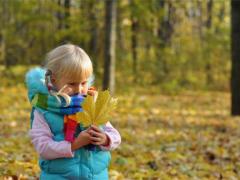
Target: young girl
{"x": 58, "y": 91}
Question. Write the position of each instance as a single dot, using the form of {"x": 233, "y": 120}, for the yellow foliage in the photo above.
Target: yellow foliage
{"x": 98, "y": 112}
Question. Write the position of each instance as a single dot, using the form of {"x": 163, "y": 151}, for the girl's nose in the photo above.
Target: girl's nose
{"x": 79, "y": 89}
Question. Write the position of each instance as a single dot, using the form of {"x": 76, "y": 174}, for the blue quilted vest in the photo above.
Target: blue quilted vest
{"x": 85, "y": 165}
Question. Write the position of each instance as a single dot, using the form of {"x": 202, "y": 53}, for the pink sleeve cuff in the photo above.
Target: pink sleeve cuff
{"x": 108, "y": 146}
{"x": 114, "y": 137}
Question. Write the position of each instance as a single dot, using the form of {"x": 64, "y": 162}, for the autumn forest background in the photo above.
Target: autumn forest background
{"x": 174, "y": 65}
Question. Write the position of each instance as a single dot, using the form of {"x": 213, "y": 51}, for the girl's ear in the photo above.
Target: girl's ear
{"x": 53, "y": 80}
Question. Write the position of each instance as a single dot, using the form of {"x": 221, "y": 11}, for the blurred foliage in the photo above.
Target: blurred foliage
{"x": 184, "y": 133}
{"x": 183, "y": 136}
{"x": 176, "y": 47}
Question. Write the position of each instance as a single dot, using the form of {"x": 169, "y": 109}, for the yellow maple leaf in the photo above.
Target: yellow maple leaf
{"x": 98, "y": 112}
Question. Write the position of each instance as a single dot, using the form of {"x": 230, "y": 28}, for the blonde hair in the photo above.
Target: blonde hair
{"x": 69, "y": 61}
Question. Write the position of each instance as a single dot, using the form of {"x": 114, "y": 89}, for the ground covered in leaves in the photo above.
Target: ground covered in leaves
{"x": 184, "y": 136}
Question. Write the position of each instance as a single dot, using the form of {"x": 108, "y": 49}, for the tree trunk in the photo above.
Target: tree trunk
{"x": 166, "y": 29}
{"x": 2, "y": 47}
{"x": 134, "y": 47}
{"x": 2, "y": 34}
{"x": 235, "y": 47}
{"x": 134, "y": 27}
{"x": 165, "y": 32}
{"x": 63, "y": 15}
{"x": 208, "y": 67}
{"x": 60, "y": 16}
{"x": 110, "y": 39}
{"x": 94, "y": 29}
{"x": 66, "y": 13}
{"x": 5, "y": 18}
{"x": 209, "y": 13}
{"x": 121, "y": 44}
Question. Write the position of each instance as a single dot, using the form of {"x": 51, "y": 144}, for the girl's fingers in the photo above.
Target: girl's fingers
{"x": 95, "y": 139}
{"x": 90, "y": 92}
{"x": 66, "y": 90}
{"x": 95, "y": 133}
{"x": 95, "y": 128}
{"x": 88, "y": 130}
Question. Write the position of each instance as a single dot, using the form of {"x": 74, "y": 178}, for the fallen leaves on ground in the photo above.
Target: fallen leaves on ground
{"x": 186, "y": 136}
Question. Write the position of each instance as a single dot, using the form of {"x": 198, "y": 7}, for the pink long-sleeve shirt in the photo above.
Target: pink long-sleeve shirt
{"x": 42, "y": 139}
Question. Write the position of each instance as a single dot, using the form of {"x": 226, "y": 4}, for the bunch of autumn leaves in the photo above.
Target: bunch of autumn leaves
{"x": 96, "y": 111}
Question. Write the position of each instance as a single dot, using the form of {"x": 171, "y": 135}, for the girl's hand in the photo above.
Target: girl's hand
{"x": 98, "y": 137}
{"x": 84, "y": 138}
{"x": 92, "y": 92}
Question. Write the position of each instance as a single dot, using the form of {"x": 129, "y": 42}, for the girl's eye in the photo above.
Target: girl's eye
{"x": 83, "y": 83}
{"x": 71, "y": 84}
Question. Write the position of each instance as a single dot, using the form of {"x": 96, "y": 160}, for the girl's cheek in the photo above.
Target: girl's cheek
{"x": 84, "y": 91}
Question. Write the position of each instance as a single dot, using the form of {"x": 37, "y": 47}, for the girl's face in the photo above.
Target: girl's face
{"x": 71, "y": 87}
